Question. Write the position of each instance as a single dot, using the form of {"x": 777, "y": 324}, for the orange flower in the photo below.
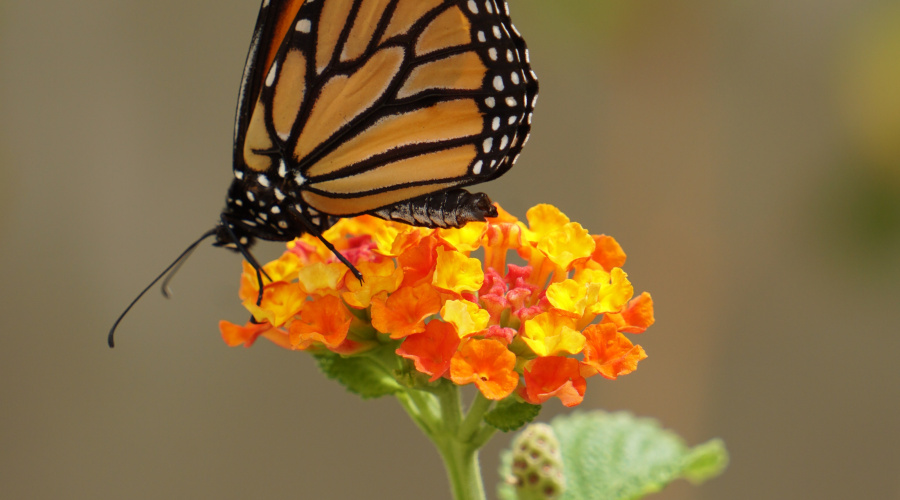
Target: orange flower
{"x": 489, "y": 364}
{"x": 235, "y": 335}
{"x": 637, "y": 316}
{"x": 417, "y": 261}
{"x": 609, "y": 353}
{"x": 607, "y": 252}
{"x": 432, "y": 349}
{"x": 404, "y": 312}
{"x": 324, "y": 321}
{"x": 553, "y": 376}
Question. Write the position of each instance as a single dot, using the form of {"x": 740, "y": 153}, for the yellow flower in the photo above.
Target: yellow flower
{"x": 466, "y": 316}
{"x": 549, "y": 334}
{"x": 456, "y": 273}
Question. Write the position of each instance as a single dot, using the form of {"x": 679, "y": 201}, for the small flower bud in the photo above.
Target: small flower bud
{"x": 537, "y": 468}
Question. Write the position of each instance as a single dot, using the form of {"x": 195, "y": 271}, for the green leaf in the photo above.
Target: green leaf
{"x": 361, "y": 375}
{"x": 616, "y": 456}
{"x": 705, "y": 461}
{"x": 510, "y": 414}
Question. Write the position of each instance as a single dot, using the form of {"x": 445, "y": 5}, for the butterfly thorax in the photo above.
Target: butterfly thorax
{"x": 257, "y": 207}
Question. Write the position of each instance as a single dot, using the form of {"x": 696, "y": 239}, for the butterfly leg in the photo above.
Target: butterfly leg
{"x": 449, "y": 208}
{"x": 315, "y": 231}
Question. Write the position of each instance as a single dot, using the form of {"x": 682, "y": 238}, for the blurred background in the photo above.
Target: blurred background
{"x": 746, "y": 155}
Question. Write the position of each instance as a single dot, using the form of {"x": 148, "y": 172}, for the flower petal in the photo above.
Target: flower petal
{"x": 432, "y": 349}
{"x": 489, "y": 364}
{"x": 466, "y": 316}
{"x": 553, "y": 376}
{"x": 281, "y": 301}
{"x": 325, "y": 320}
{"x": 609, "y": 353}
{"x": 403, "y": 312}
{"x": 457, "y": 273}
{"x": 377, "y": 277}
{"x": 549, "y": 334}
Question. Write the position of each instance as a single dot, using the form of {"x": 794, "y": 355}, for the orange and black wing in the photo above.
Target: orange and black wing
{"x": 356, "y": 106}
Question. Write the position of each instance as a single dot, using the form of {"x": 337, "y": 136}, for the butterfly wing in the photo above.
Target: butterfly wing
{"x": 350, "y": 106}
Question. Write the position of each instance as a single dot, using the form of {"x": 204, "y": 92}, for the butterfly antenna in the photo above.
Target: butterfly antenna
{"x": 313, "y": 230}
{"x": 164, "y": 287}
{"x": 250, "y": 258}
{"x": 175, "y": 264}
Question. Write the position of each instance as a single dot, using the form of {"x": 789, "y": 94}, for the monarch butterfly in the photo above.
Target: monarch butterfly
{"x": 381, "y": 107}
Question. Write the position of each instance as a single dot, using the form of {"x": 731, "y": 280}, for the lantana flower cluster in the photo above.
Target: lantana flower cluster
{"x": 536, "y": 330}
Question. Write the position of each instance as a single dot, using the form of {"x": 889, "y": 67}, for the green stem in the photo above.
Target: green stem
{"x": 456, "y": 436}
{"x": 463, "y": 470}
{"x": 471, "y": 426}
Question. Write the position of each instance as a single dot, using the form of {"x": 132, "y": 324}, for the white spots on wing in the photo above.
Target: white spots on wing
{"x": 514, "y": 77}
{"x": 251, "y": 196}
{"x": 488, "y": 7}
{"x": 270, "y": 79}
{"x": 492, "y": 53}
{"x": 282, "y": 169}
{"x": 238, "y": 175}
{"x": 473, "y": 8}
{"x": 490, "y": 102}
{"x": 476, "y": 169}
{"x": 511, "y": 101}
{"x": 263, "y": 217}
{"x": 279, "y": 195}
{"x": 503, "y": 142}
{"x": 509, "y": 56}
{"x": 299, "y": 179}
{"x": 497, "y": 33}
{"x": 512, "y": 119}
{"x": 282, "y": 224}
{"x": 263, "y": 180}
{"x": 498, "y": 83}
{"x": 495, "y": 124}
{"x": 239, "y": 203}
{"x": 304, "y": 26}
{"x": 481, "y": 37}
{"x": 488, "y": 144}
{"x": 275, "y": 209}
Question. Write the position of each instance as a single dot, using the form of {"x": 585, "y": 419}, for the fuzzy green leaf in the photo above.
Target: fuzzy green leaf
{"x": 616, "y": 456}
{"x": 510, "y": 414}
{"x": 361, "y": 375}
{"x": 705, "y": 461}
